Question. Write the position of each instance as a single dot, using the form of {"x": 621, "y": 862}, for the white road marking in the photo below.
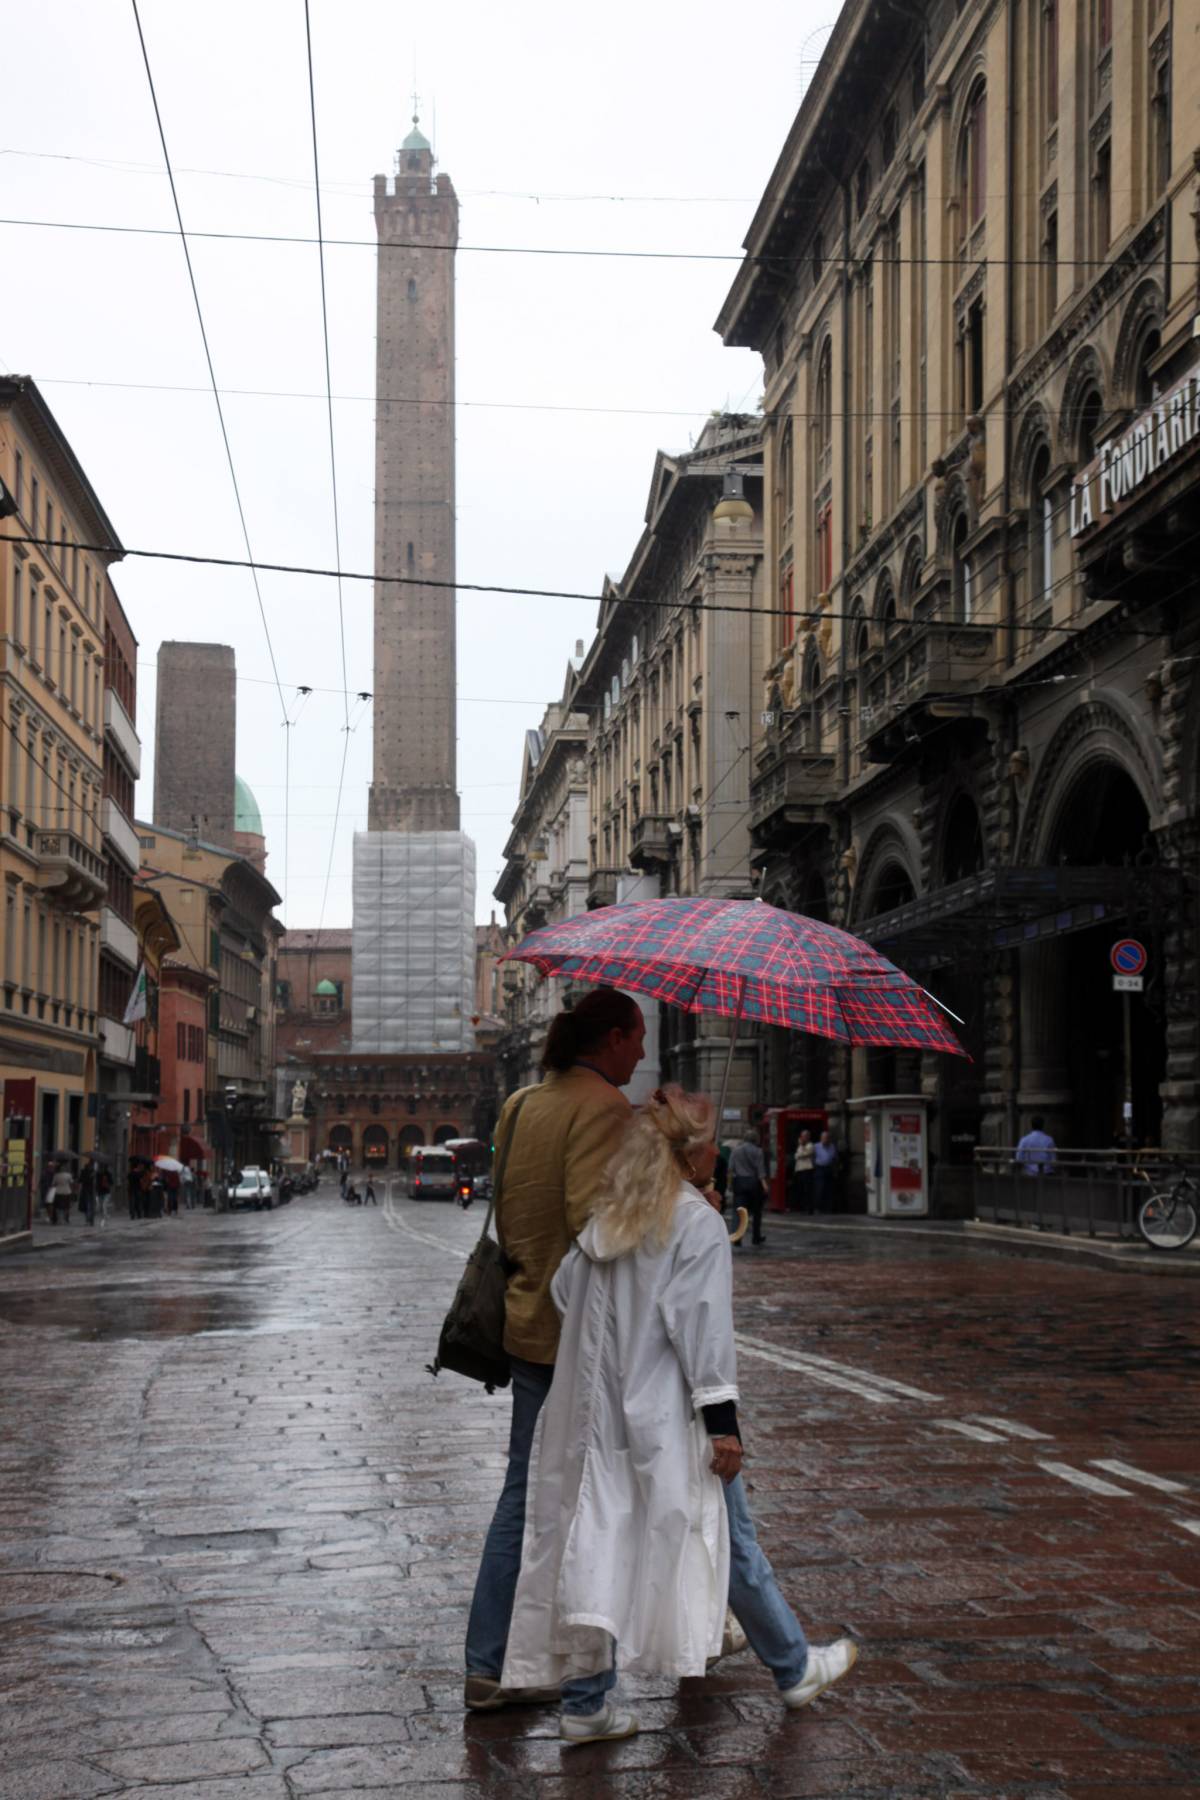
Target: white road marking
{"x": 1160, "y": 1482}
{"x": 392, "y": 1217}
{"x": 878, "y": 1389}
{"x": 972, "y": 1431}
{"x": 1010, "y": 1427}
{"x": 1192, "y": 1525}
{"x": 1080, "y": 1478}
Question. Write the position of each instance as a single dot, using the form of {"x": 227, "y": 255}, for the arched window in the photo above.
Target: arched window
{"x": 786, "y": 483}
{"x": 962, "y": 597}
{"x": 1144, "y": 382}
{"x": 822, "y": 538}
{"x": 823, "y": 410}
{"x": 972, "y": 160}
{"x": 1091, "y": 411}
{"x": 811, "y": 720}
{"x": 1041, "y": 535}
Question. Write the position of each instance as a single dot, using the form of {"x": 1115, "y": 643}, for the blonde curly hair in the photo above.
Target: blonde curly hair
{"x": 636, "y": 1203}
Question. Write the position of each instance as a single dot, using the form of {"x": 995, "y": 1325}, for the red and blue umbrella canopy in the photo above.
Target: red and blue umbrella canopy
{"x": 745, "y": 960}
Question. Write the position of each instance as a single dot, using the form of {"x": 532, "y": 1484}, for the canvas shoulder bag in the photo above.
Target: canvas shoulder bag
{"x": 472, "y": 1337}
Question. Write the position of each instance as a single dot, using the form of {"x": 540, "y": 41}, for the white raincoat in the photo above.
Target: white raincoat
{"x": 626, "y": 1533}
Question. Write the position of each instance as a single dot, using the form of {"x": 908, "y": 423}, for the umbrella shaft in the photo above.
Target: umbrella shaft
{"x": 733, "y": 1037}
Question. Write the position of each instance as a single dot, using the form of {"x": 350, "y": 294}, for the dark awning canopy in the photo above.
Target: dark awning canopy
{"x": 1003, "y": 909}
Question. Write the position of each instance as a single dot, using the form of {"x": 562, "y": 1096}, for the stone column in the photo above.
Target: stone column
{"x": 1044, "y": 1084}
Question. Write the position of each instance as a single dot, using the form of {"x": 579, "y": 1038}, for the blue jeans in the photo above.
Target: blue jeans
{"x": 772, "y": 1629}
{"x": 496, "y": 1583}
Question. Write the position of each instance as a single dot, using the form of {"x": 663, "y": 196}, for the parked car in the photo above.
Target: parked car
{"x": 431, "y": 1173}
{"x": 254, "y": 1190}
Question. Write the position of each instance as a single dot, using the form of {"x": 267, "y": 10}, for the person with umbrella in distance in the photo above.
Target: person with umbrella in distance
{"x": 638, "y": 1532}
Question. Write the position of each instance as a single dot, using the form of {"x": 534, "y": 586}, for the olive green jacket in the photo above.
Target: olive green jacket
{"x": 570, "y": 1124}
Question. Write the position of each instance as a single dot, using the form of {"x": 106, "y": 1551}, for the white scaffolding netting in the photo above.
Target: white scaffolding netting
{"x": 414, "y": 941}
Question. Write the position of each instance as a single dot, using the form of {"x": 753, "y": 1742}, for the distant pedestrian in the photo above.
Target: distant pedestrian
{"x": 803, "y": 1165}
{"x": 104, "y": 1188}
{"x": 825, "y": 1160}
{"x": 46, "y": 1189}
{"x": 748, "y": 1179}
{"x": 370, "y": 1195}
{"x": 187, "y": 1187}
{"x": 87, "y": 1191}
{"x": 61, "y": 1194}
{"x": 345, "y": 1181}
{"x": 1035, "y": 1152}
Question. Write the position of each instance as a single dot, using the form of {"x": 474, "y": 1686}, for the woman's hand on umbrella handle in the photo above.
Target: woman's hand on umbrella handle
{"x": 726, "y": 1457}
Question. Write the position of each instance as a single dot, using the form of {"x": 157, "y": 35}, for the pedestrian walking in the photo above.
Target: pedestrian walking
{"x": 369, "y": 1198}
{"x": 61, "y": 1193}
{"x": 748, "y": 1179}
{"x": 639, "y": 1532}
{"x": 87, "y": 1191}
{"x": 104, "y": 1188}
{"x": 46, "y": 1190}
{"x": 803, "y": 1167}
{"x": 169, "y": 1180}
{"x": 1035, "y": 1152}
{"x": 187, "y": 1187}
{"x": 563, "y": 1132}
{"x": 825, "y": 1161}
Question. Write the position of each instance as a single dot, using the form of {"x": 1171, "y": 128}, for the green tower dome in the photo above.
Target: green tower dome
{"x": 246, "y": 816}
{"x": 326, "y": 989}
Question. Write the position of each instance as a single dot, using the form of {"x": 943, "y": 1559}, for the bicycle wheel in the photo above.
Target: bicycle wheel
{"x": 1168, "y": 1221}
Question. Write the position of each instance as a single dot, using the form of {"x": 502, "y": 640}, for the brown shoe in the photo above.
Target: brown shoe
{"x": 482, "y": 1693}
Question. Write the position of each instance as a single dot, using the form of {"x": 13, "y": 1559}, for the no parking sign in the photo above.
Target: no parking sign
{"x": 1128, "y": 959}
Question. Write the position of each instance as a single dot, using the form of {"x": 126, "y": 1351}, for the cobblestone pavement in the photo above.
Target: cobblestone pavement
{"x": 239, "y": 1524}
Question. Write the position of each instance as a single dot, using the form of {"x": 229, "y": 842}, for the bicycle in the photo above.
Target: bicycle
{"x": 1168, "y": 1218}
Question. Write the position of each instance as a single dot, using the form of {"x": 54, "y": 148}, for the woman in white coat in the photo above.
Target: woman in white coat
{"x": 633, "y": 1547}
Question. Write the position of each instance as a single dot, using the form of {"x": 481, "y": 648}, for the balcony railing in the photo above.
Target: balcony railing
{"x": 602, "y": 887}
{"x": 71, "y": 873}
{"x": 791, "y": 789}
{"x": 940, "y": 660}
{"x": 117, "y": 1042}
{"x": 650, "y": 841}
{"x": 120, "y": 729}
{"x": 118, "y": 937}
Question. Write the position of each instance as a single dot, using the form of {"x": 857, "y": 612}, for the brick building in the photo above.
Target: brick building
{"x": 195, "y": 740}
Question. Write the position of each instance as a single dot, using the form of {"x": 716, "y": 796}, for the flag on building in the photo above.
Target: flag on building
{"x": 136, "y": 1009}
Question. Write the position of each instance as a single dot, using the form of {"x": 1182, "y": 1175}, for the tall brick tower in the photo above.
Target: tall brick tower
{"x": 416, "y": 217}
{"x": 413, "y": 957}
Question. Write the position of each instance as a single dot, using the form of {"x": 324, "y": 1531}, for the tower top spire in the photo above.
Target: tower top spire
{"x": 416, "y": 139}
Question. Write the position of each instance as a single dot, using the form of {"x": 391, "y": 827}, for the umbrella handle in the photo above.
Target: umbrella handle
{"x": 733, "y": 1037}
{"x": 735, "y": 1237}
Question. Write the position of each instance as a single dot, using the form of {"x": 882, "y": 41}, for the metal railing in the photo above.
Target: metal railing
{"x": 1096, "y": 1192}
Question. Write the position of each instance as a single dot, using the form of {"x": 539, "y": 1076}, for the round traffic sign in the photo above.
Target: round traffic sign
{"x": 1127, "y": 956}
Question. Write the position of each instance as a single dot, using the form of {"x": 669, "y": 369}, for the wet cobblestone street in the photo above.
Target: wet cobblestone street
{"x": 240, "y": 1523}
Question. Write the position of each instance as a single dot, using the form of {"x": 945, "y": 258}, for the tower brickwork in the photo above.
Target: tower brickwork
{"x": 416, "y": 217}
{"x": 195, "y": 737}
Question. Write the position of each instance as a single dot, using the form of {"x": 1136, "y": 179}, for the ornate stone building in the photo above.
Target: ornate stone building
{"x": 671, "y": 690}
{"x": 545, "y": 874}
{"x": 973, "y": 280}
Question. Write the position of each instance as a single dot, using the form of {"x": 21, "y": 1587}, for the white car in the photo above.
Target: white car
{"x": 254, "y": 1189}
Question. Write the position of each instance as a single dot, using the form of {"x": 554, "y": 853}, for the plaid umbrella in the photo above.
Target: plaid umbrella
{"x": 745, "y": 960}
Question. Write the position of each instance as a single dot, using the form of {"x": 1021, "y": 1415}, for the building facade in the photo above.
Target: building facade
{"x": 671, "y": 688}
{"x": 981, "y": 444}
{"x": 545, "y": 875}
{"x": 223, "y": 908}
{"x": 124, "y": 1075}
{"x": 53, "y": 858}
{"x": 145, "y": 1111}
{"x": 195, "y": 740}
{"x": 377, "y": 1109}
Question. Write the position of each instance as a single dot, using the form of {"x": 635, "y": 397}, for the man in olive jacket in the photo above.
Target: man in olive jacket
{"x": 562, "y": 1132}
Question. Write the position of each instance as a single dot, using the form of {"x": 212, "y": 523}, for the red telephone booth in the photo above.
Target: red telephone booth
{"x": 782, "y": 1126}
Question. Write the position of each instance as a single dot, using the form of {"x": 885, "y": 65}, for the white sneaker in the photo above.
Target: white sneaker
{"x": 733, "y": 1641}
{"x": 826, "y": 1664}
{"x": 595, "y": 1728}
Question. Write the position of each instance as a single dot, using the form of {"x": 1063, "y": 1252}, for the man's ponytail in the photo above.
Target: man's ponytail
{"x": 585, "y": 1026}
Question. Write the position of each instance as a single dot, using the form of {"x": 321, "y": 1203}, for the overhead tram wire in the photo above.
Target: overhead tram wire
{"x": 212, "y": 376}
{"x": 523, "y": 593}
{"x": 783, "y": 261}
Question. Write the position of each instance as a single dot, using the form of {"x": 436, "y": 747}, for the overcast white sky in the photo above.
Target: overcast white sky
{"x": 541, "y": 114}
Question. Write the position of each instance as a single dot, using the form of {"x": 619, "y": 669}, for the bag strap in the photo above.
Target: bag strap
{"x": 498, "y": 1177}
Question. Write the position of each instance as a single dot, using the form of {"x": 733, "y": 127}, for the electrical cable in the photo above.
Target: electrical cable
{"x": 781, "y": 261}
{"x": 183, "y": 238}
{"x": 484, "y": 587}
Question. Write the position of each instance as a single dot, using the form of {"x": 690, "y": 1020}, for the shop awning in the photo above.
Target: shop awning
{"x": 1003, "y": 909}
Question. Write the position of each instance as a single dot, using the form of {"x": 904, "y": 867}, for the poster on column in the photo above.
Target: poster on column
{"x": 906, "y": 1162}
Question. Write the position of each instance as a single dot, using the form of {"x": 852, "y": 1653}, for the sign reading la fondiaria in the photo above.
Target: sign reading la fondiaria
{"x": 1125, "y": 464}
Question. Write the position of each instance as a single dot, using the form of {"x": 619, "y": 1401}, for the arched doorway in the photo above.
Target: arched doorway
{"x": 375, "y": 1146}
{"x": 444, "y": 1133}
{"x": 410, "y": 1137}
{"x": 1072, "y": 1038}
{"x": 892, "y": 1071}
{"x": 341, "y": 1140}
{"x": 957, "y": 1124}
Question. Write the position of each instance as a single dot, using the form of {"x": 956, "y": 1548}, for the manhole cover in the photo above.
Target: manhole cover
{"x": 48, "y": 1587}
